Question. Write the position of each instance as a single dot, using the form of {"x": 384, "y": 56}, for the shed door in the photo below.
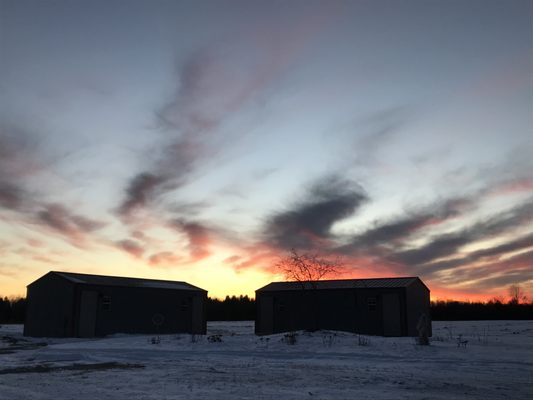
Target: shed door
{"x": 266, "y": 314}
{"x": 197, "y": 314}
{"x": 88, "y": 304}
{"x": 392, "y": 322}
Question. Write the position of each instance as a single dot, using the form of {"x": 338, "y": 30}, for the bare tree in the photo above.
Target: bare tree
{"x": 517, "y": 294}
{"x": 309, "y": 267}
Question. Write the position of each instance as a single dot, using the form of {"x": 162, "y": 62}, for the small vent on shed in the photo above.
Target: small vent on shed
{"x": 372, "y": 302}
{"x": 106, "y": 302}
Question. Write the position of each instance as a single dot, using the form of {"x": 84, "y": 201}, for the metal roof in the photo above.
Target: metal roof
{"x": 374, "y": 283}
{"x": 88, "y": 279}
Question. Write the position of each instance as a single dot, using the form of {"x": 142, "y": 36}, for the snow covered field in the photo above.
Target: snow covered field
{"x": 497, "y": 363}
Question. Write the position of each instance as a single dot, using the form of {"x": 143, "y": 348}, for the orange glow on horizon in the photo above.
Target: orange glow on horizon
{"x": 231, "y": 283}
{"x": 228, "y": 271}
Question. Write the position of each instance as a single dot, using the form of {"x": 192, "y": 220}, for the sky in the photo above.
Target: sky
{"x": 201, "y": 141}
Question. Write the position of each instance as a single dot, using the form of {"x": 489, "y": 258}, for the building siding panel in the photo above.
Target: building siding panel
{"x": 360, "y": 306}
{"x": 62, "y": 307}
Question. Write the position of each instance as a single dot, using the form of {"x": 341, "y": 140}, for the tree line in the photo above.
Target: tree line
{"x": 12, "y": 310}
{"x": 470, "y": 311}
{"x": 232, "y": 308}
{"x": 242, "y": 308}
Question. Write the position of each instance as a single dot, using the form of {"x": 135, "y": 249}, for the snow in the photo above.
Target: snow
{"x": 496, "y": 363}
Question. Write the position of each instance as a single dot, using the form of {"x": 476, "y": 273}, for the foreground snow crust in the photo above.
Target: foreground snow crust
{"x": 495, "y": 363}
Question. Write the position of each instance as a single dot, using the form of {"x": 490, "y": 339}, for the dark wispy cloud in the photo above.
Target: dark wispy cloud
{"x": 481, "y": 276}
{"x": 208, "y": 94}
{"x": 310, "y": 220}
{"x": 393, "y": 233}
{"x": 139, "y": 192}
{"x": 12, "y": 196}
{"x": 518, "y": 244}
{"x": 509, "y": 277}
{"x": 392, "y": 246}
{"x": 131, "y": 246}
{"x": 214, "y": 86}
{"x": 199, "y": 237}
{"x": 72, "y": 226}
{"x": 20, "y": 159}
{"x": 18, "y": 154}
{"x": 186, "y": 125}
{"x": 495, "y": 254}
{"x": 447, "y": 245}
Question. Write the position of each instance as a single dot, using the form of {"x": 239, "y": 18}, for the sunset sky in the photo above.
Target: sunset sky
{"x": 200, "y": 141}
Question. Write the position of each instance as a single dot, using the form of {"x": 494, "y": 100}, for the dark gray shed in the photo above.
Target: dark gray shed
{"x": 65, "y": 304}
{"x": 380, "y": 306}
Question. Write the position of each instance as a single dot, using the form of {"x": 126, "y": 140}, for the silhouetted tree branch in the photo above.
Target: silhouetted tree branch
{"x": 517, "y": 294}
{"x": 309, "y": 267}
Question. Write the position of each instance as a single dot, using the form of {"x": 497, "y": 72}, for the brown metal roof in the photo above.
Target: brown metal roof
{"x": 375, "y": 283}
{"x": 123, "y": 281}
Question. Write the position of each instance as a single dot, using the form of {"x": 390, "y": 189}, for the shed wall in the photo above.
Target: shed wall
{"x": 360, "y": 310}
{"x": 50, "y": 307}
{"x": 146, "y": 310}
{"x": 58, "y": 307}
{"x": 418, "y": 302}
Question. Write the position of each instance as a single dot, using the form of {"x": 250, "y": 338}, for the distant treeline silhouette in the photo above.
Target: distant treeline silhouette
{"x": 242, "y": 308}
{"x": 466, "y": 311}
{"x": 232, "y": 308}
{"x": 12, "y": 310}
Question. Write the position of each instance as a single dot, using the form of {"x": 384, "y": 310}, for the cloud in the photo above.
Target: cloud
{"x": 497, "y": 274}
{"x": 214, "y": 85}
{"x": 190, "y": 208}
{"x": 131, "y": 246}
{"x": 518, "y": 185}
{"x": 17, "y": 162}
{"x": 12, "y": 197}
{"x": 199, "y": 237}
{"x": 72, "y": 226}
{"x": 508, "y": 247}
{"x": 379, "y": 129}
{"x": 44, "y": 259}
{"x": 232, "y": 259}
{"x": 20, "y": 159}
{"x": 256, "y": 256}
{"x": 309, "y": 221}
{"x": 202, "y": 101}
{"x": 395, "y": 232}
{"x": 364, "y": 137}
{"x": 387, "y": 246}
{"x": 139, "y": 192}
{"x": 34, "y": 242}
{"x": 164, "y": 258}
{"x": 489, "y": 254}
{"x": 447, "y": 245}
{"x": 509, "y": 277}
